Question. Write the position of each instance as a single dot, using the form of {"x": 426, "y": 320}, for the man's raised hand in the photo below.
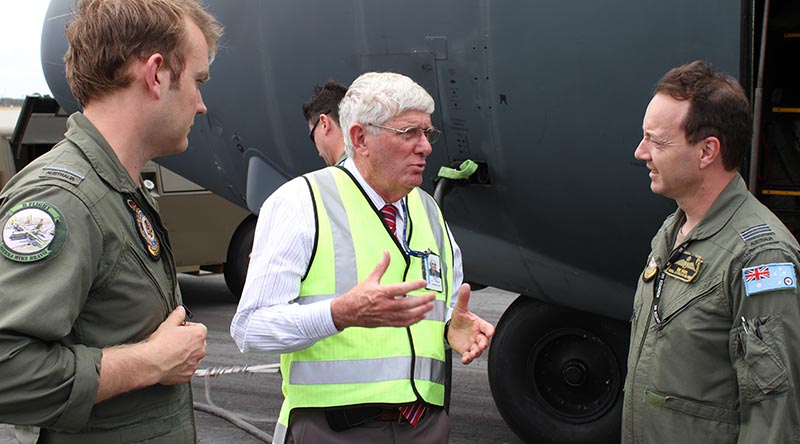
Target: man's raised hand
{"x": 468, "y": 334}
{"x": 371, "y": 304}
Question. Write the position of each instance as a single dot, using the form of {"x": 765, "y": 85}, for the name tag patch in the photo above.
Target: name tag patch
{"x": 769, "y": 277}
{"x": 686, "y": 267}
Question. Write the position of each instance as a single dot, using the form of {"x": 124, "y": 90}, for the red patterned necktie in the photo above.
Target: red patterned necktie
{"x": 389, "y": 213}
{"x": 412, "y": 413}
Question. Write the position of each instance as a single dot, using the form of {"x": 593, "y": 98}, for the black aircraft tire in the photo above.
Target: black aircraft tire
{"x": 556, "y": 374}
{"x": 239, "y": 256}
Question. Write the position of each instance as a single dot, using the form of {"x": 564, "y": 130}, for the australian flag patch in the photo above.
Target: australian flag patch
{"x": 769, "y": 277}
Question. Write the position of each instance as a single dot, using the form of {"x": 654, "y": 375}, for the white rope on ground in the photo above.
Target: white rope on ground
{"x": 216, "y": 371}
{"x": 237, "y": 419}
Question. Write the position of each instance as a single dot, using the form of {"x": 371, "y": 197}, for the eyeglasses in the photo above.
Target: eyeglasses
{"x": 414, "y": 132}
{"x": 311, "y": 131}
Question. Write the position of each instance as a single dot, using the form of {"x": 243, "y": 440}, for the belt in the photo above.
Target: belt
{"x": 390, "y": 415}
{"x": 343, "y": 419}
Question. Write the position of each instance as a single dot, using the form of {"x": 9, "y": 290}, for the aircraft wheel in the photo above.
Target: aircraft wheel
{"x": 556, "y": 374}
{"x": 239, "y": 256}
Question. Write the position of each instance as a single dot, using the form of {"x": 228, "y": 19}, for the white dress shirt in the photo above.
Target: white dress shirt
{"x": 267, "y": 319}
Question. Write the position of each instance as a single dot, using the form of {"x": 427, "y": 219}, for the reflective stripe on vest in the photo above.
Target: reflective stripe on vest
{"x": 361, "y": 365}
{"x": 365, "y": 370}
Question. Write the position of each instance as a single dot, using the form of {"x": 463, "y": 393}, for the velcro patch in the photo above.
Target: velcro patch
{"x": 769, "y": 277}
{"x": 32, "y": 231}
{"x": 63, "y": 173}
{"x": 686, "y": 267}
{"x": 756, "y": 231}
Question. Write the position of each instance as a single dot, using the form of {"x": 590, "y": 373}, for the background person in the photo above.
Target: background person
{"x": 715, "y": 340}
{"x": 94, "y": 347}
{"x": 363, "y": 345}
{"x": 322, "y": 114}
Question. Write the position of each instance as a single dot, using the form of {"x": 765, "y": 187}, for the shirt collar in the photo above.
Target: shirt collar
{"x": 374, "y": 198}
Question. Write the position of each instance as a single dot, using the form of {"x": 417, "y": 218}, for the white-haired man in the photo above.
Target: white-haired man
{"x": 363, "y": 345}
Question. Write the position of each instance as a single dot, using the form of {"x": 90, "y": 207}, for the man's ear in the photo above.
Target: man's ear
{"x": 710, "y": 151}
{"x": 155, "y": 75}
{"x": 358, "y": 136}
{"x": 325, "y": 123}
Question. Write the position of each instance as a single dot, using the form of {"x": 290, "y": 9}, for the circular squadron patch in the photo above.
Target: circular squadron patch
{"x": 32, "y": 231}
{"x": 650, "y": 270}
{"x": 146, "y": 231}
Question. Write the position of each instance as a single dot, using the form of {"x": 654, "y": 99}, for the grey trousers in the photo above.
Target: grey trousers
{"x": 311, "y": 427}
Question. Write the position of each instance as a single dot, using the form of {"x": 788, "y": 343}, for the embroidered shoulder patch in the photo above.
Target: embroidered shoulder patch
{"x": 32, "y": 231}
{"x": 769, "y": 277}
{"x": 63, "y": 173}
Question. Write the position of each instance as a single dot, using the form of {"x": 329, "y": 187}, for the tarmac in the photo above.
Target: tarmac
{"x": 257, "y": 397}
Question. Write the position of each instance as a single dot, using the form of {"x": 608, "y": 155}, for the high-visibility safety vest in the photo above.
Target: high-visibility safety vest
{"x": 362, "y": 366}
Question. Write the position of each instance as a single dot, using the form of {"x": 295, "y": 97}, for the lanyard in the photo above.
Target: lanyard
{"x": 659, "y": 284}
{"x": 404, "y": 241}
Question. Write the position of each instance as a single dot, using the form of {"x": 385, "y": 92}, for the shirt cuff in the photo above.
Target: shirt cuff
{"x": 85, "y": 383}
{"x": 318, "y": 320}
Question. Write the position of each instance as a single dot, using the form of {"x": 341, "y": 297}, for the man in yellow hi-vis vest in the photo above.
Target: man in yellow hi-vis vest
{"x": 363, "y": 345}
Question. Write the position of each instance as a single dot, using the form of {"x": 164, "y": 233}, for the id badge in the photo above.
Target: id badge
{"x": 432, "y": 271}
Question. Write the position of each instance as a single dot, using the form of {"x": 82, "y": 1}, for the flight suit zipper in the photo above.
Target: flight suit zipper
{"x": 166, "y": 255}
{"x": 163, "y": 296}
{"x": 634, "y": 370}
{"x": 650, "y": 317}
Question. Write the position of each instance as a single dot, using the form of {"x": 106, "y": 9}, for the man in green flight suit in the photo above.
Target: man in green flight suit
{"x": 94, "y": 344}
{"x": 715, "y": 338}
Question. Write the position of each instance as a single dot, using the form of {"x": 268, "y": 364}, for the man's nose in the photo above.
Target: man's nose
{"x": 424, "y": 147}
{"x": 641, "y": 151}
{"x": 201, "y": 106}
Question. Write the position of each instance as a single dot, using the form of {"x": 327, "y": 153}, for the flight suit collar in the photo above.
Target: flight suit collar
{"x": 717, "y": 216}
{"x": 95, "y": 147}
{"x": 722, "y": 210}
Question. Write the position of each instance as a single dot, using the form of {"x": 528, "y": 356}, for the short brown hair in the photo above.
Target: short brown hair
{"x": 718, "y": 107}
{"x": 325, "y": 100}
{"x": 105, "y": 35}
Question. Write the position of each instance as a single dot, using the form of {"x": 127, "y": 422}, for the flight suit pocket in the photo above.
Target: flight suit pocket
{"x": 141, "y": 263}
{"x": 692, "y": 408}
{"x": 692, "y": 295}
{"x": 670, "y": 419}
{"x": 760, "y": 368}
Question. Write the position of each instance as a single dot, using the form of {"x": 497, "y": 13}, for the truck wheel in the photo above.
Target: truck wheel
{"x": 557, "y": 374}
{"x": 239, "y": 256}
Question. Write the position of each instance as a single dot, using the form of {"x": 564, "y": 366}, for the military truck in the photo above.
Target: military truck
{"x": 208, "y": 233}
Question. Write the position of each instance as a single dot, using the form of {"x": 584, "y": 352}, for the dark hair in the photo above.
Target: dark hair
{"x": 325, "y": 100}
{"x": 105, "y": 36}
{"x": 718, "y": 107}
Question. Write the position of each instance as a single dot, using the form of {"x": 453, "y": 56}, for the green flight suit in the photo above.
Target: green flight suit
{"x": 701, "y": 376}
{"x": 85, "y": 264}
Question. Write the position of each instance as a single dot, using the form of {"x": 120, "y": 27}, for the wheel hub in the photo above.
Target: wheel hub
{"x": 574, "y": 374}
